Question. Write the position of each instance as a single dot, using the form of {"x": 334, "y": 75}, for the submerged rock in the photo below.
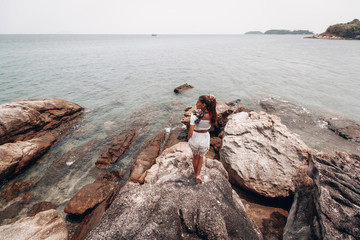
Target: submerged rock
{"x": 172, "y": 205}
{"x": 261, "y": 154}
{"x": 40, "y": 207}
{"x": 44, "y": 225}
{"x": 183, "y": 88}
{"x": 345, "y": 128}
{"x": 14, "y": 189}
{"x": 120, "y": 144}
{"x": 329, "y": 207}
{"x": 313, "y": 127}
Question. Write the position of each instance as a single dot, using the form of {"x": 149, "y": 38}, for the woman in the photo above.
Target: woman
{"x": 200, "y": 124}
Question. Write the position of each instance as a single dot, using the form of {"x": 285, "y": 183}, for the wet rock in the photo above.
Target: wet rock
{"x": 294, "y": 117}
{"x": 311, "y": 126}
{"x": 345, "y": 128}
{"x": 39, "y": 207}
{"x": 261, "y": 154}
{"x": 95, "y": 216}
{"x": 172, "y": 205}
{"x": 89, "y": 196}
{"x": 14, "y": 189}
{"x": 85, "y": 130}
{"x": 118, "y": 147}
{"x": 328, "y": 208}
{"x": 26, "y": 197}
{"x": 72, "y": 165}
{"x": 146, "y": 158}
{"x": 10, "y": 211}
{"x": 17, "y": 156}
{"x": 44, "y": 225}
{"x": 183, "y": 88}
{"x": 24, "y": 119}
{"x": 28, "y": 128}
{"x": 114, "y": 175}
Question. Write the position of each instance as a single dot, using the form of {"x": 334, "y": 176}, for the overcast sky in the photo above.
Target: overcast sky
{"x": 172, "y": 16}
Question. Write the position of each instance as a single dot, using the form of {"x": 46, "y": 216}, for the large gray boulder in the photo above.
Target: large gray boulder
{"x": 172, "y": 205}
{"x": 328, "y": 206}
{"x": 44, "y": 225}
{"x": 261, "y": 154}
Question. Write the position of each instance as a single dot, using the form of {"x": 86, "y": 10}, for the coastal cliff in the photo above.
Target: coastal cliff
{"x": 350, "y": 30}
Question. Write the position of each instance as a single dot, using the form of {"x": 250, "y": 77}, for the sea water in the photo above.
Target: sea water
{"x": 123, "y": 78}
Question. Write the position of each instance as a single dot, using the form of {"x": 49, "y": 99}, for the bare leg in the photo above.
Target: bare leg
{"x": 195, "y": 162}
{"x": 198, "y": 169}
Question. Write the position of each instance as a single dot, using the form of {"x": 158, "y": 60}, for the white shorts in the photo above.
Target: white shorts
{"x": 200, "y": 143}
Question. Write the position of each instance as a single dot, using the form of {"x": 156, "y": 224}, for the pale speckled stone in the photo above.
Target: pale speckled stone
{"x": 44, "y": 225}
{"x": 261, "y": 154}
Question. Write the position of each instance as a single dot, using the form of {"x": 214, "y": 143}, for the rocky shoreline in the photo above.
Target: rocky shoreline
{"x": 250, "y": 152}
{"x": 342, "y": 31}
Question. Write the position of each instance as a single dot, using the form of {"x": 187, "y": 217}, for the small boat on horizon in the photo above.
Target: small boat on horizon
{"x": 153, "y": 35}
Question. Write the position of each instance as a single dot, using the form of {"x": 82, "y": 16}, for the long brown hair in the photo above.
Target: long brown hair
{"x": 210, "y": 102}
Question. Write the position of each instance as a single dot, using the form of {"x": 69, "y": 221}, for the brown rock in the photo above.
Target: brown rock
{"x": 28, "y": 128}
{"x": 17, "y": 156}
{"x": 242, "y": 109}
{"x": 11, "y": 211}
{"x": 120, "y": 144}
{"x": 14, "y": 189}
{"x": 146, "y": 158}
{"x": 222, "y": 110}
{"x": 182, "y": 88}
{"x": 175, "y": 137}
{"x": 89, "y": 196}
{"x": 216, "y": 142}
{"x": 26, "y": 197}
{"x": 39, "y": 207}
{"x": 114, "y": 175}
{"x": 94, "y": 218}
{"x": 23, "y": 119}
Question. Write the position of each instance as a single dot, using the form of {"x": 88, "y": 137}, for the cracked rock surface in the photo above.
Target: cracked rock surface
{"x": 172, "y": 205}
{"x": 261, "y": 154}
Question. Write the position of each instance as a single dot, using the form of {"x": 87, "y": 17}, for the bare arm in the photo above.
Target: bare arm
{"x": 191, "y": 130}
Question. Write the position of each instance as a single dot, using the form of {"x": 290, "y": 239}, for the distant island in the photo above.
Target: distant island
{"x": 282, "y": 31}
{"x": 254, "y": 32}
{"x": 350, "y": 30}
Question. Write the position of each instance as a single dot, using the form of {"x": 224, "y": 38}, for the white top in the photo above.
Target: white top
{"x": 202, "y": 125}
